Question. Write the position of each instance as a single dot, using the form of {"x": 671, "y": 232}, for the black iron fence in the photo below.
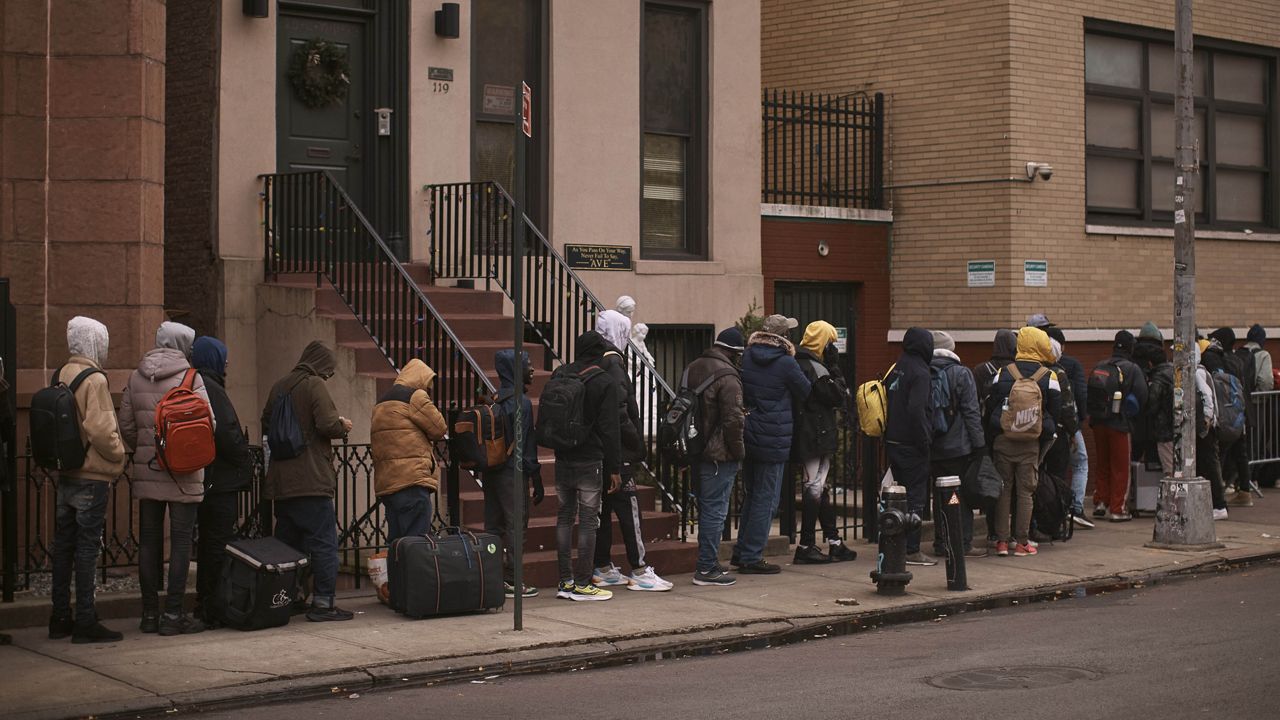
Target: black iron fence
{"x": 821, "y": 149}
{"x": 311, "y": 226}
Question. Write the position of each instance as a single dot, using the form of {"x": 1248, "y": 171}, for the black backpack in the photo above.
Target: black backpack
{"x": 1069, "y": 420}
{"x": 1159, "y": 408}
{"x": 1106, "y": 379}
{"x": 1248, "y": 370}
{"x": 562, "y": 421}
{"x": 284, "y": 437}
{"x": 1051, "y": 506}
{"x": 680, "y": 429}
{"x": 56, "y": 439}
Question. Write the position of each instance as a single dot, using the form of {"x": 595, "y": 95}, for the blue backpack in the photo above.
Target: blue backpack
{"x": 940, "y": 400}
{"x": 1231, "y": 413}
{"x": 284, "y": 435}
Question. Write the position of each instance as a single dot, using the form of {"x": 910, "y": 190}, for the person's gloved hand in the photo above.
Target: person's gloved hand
{"x": 538, "y": 491}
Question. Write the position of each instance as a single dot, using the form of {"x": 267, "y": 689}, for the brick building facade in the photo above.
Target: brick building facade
{"x": 976, "y": 90}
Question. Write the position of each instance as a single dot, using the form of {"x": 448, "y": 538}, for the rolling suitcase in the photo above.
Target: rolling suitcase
{"x": 450, "y": 572}
{"x": 1144, "y": 481}
{"x": 260, "y": 583}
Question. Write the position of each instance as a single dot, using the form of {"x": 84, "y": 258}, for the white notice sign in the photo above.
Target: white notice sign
{"x": 842, "y": 339}
{"x": 1035, "y": 273}
{"x": 982, "y": 273}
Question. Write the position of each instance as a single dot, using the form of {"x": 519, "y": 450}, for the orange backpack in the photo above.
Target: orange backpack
{"x": 184, "y": 429}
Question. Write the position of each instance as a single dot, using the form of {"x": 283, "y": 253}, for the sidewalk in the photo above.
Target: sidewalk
{"x": 148, "y": 674}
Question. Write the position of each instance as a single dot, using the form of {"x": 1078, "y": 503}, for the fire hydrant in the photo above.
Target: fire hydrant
{"x": 891, "y": 575}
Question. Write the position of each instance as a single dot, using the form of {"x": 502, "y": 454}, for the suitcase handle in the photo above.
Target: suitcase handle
{"x": 455, "y": 530}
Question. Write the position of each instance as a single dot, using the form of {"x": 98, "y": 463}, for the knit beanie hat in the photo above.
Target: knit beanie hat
{"x": 1226, "y": 336}
{"x": 731, "y": 339}
{"x": 942, "y": 341}
{"x": 1257, "y": 334}
{"x": 1151, "y": 332}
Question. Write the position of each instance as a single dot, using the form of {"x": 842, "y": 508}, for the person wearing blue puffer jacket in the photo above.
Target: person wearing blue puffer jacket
{"x": 772, "y": 383}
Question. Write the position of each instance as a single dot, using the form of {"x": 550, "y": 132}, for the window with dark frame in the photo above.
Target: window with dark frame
{"x": 673, "y": 157}
{"x": 1129, "y": 129}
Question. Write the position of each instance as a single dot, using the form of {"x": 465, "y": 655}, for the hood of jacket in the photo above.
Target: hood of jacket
{"x": 817, "y": 336}
{"x": 504, "y": 361}
{"x": 176, "y": 336}
{"x": 417, "y": 375}
{"x": 590, "y": 346}
{"x": 1033, "y": 346}
{"x": 918, "y": 342}
{"x": 766, "y": 348}
{"x": 1226, "y": 336}
{"x": 1005, "y": 346}
{"x": 1213, "y": 358}
{"x": 161, "y": 363}
{"x": 208, "y": 353}
{"x": 88, "y": 338}
{"x": 317, "y": 359}
{"x": 614, "y": 327}
{"x": 943, "y": 357}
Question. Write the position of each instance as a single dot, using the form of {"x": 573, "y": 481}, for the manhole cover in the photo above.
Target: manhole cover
{"x": 1001, "y": 678}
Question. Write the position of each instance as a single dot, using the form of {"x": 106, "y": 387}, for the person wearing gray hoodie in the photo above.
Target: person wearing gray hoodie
{"x": 162, "y": 369}
{"x": 963, "y": 442}
{"x": 83, "y": 494}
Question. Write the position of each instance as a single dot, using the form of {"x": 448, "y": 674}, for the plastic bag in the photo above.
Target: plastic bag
{"x": 378, "y": 576}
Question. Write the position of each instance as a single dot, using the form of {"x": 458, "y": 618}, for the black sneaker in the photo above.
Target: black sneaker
{"x": 328, "y": 614}
{"x": 182, "y": 624}
{"x": 715, "y": 576}
{"x": 759, "y": 567}
{"x": 95, "y": 633}
{"x": 509, "y": 589}
{"x": 735, "y": 561}
{"x": 61, "y": 626}
{"x": 919, "y": 558}
{"x": 810, "y": 555}
{"x": 839, "y": 552}
{"x": 1078, "y": 518}
{"x": 150, "y": 622}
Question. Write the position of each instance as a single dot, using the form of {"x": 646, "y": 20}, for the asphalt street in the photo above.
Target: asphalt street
{"x": 1206, "y": 646}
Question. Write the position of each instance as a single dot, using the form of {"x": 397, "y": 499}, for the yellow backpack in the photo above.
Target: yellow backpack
{"x": 873, "y": 405}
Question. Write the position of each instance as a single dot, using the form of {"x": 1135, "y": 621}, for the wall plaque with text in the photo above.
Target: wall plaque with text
{"x": 598, "y": 257}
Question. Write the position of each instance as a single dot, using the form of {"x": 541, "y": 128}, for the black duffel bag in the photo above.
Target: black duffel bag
{"x": 260, "y": 582}
{"x": 450, "y": 572}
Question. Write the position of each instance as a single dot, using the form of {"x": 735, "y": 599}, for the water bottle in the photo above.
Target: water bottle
{"x": 1115, "y": 402}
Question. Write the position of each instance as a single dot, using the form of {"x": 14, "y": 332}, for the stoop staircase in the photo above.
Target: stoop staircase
{"x": 386, "y": 312}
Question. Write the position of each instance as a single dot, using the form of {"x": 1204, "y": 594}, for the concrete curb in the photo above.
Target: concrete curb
{"x": 556, "y": 657}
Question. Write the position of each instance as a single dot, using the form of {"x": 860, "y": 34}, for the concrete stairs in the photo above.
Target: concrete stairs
{"x": 481, "y": 321}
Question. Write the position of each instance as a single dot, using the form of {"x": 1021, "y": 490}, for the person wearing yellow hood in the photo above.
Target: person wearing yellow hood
{"x": 814, "y": 444}
{"x": 1016, "y": 449}
{"x": 406, "y": 475}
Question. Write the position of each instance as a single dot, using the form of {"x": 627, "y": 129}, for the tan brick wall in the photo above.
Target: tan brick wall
{"x": 977, "y": 88}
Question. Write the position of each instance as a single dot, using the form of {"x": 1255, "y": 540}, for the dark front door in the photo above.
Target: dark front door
{"x": 331, "y": 137}
{"x": 832, "y": 302}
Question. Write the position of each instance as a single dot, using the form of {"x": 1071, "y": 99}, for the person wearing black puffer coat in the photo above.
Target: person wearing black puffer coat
{"x": 814, "y": 445}
{"x": 230, "y": 473}
{"x": 772, "y": 383}
{"x": 908, "y": 430}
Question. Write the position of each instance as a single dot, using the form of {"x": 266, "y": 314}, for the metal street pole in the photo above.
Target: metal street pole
{"x": 523, "y": 133}
{"x": 1185, "y": 516}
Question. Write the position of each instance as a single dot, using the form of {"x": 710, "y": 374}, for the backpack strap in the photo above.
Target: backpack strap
{"x": 1015, "y": 372}
{"x": 189, "y": 380}
{"x": 84, "y": 375}
{"x": 56, "y": 373}
{"x": 1039, "y": 374}
{"x": 714, "y": 376}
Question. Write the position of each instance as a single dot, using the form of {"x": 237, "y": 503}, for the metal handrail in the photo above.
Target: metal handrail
{"x": 311, "y": 225}
{"x": 472, "y": 226}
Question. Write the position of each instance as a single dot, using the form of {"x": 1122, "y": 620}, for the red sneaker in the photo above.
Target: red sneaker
{"x": 1002, "y": 548}
{"x": 1023, "y": 550}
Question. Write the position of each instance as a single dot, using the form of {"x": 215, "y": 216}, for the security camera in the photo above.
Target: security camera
{"x": 1044, "y": 170}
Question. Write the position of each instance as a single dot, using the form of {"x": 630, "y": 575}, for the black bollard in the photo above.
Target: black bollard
{"x": 891, "y": 575}
{"x": 946, "y": 523}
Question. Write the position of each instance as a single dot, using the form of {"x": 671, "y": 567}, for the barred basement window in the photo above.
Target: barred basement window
{"x": 1129, "y": 129}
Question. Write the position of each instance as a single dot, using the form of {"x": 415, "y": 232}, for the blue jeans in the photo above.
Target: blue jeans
{"x": 309, "y": 525}
{"x": 715, "y": 486}
{"x": 1079, "y": 472}
{"x": 77, "y": 540}
{"x": 408, "y": 512}
{"x": 763, "y": 483}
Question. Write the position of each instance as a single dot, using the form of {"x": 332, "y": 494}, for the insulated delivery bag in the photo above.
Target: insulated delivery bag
{"x": 450, "y": 572}
{"x": 260, "y": 583}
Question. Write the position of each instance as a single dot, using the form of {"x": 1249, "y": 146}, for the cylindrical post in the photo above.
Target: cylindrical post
{"x": 946, "y": 523}
{"x": 517, "y": 300}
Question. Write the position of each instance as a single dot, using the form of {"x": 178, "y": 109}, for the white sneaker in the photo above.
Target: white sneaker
{"x": 1220, "y": 514}
{"x": 646, "y": 579}
{"x": 607, "y": 576}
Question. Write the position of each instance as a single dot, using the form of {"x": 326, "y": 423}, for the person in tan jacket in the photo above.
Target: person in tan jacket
{"x": 83, "y": 494}
{"x": 405, "y": 472}
{"x": 158, "y": 491}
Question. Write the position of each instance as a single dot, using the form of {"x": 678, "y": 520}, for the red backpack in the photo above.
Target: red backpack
{"x": 184, "y": 429}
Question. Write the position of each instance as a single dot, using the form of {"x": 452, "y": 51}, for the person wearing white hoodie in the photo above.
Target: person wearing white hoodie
{"x": 162, "y": 369}
{"x": 83, "y": 494}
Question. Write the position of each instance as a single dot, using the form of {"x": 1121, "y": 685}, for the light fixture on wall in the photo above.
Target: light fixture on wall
{"x": 1044, "y": 170}
{"x": 447, "y": 20}
{"x": 256, "y": 8}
